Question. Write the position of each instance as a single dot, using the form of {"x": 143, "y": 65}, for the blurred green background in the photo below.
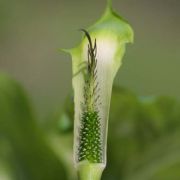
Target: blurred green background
{"x": 35, "y": 142}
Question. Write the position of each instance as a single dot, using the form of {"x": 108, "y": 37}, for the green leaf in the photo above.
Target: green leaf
{"x": 32, "y": 157}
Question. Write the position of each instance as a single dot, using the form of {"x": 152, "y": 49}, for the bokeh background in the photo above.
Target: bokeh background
{"x": 32, "y": 31}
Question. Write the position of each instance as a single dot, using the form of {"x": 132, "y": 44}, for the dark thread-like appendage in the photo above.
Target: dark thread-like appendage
{"x": 90, "y": 146}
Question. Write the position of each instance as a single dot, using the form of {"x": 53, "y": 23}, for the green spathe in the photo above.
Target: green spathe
{"x": 110, "y": 27}
{"x": 111, "y": 33}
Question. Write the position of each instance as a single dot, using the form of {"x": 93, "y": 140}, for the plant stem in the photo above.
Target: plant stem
{"x": 90, "y": 171}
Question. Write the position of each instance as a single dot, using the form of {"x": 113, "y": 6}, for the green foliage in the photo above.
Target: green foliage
{"x": 31, "y": 156}
{"x": 141, "y": 133}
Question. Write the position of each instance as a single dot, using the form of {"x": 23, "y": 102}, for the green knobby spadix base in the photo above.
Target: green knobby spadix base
{"x": 90, "y": 171}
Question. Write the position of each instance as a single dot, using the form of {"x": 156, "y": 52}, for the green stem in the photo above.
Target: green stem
{"x": 90, "y": 171}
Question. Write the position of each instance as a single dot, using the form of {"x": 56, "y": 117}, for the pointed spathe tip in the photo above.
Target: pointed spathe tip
{"x": 109, "y": 4}
{"x": 109, "y": 7}
{"x": 69, "y": 51}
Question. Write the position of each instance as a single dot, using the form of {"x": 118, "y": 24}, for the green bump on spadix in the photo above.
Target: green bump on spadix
{"x": 90, "y": 143}
{"x": 112, "y": 33}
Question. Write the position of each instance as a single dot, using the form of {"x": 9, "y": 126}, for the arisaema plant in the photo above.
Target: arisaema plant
{"x": 95, "y": 62}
